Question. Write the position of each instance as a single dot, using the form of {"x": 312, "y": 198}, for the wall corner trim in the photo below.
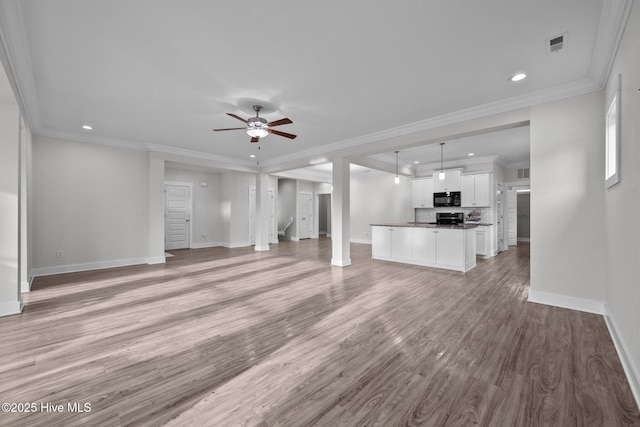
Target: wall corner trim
{"x": 564, "y": 301}
{"x": 630, "y": 369}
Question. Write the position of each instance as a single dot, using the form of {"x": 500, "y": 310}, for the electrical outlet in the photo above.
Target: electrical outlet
{"x": 59, "y": 254}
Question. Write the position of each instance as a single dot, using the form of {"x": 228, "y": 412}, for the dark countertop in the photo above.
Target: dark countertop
{"x": 426, "y": 225}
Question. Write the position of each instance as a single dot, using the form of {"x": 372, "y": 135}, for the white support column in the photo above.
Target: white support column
{"x": 10, "y": 298}
{"x": 262, "y": 212}
{"x": 341, "y": 214}
{"x": 156, "y": 211}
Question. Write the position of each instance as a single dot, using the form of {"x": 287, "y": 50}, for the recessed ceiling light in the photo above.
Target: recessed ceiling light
{"x": 471, "y": 154}
{"x": 87, "y": 127}
{"x": 252, "y": 156}
{"x": 416, "y": 162}
{"x": 517, "y": 77}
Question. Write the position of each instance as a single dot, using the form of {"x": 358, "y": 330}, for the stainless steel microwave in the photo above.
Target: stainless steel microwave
{"x": 450, "y": 198}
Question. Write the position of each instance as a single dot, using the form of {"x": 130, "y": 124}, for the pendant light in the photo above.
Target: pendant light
{"x": 397, "y": 180}
{"x": 441, "y": 174}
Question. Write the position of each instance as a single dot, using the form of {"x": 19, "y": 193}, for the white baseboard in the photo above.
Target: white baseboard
{"x": 205, "y": 245}
{"x": 341, "y": 262}
{"x": 572, "y": 303}
{"x": 524, "y": 239}
{"x": 261, "y": 248}
{"x": 25, "y": 286}
{"x": 294, "y": 239}
{"x": 72, "y": 268}
{"x": 235, "y": 245}
{"x": 155, "y": 260}
{"x": 630, "y": 368}
{"x": 8, "y": 308}
{"x": 363, "y": 241}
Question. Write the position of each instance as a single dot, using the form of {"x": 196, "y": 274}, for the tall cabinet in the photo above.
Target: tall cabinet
{"x": 475, "y": 190}
{"x": 422, "y": 193}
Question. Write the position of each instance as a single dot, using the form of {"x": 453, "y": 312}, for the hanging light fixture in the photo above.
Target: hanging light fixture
{"x": 397, "y": 176}
{"x": 441, "y": 174}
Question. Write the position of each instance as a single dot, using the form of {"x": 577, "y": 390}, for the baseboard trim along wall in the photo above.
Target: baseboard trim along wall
{"x": 630, "y": 369}
{"x": 363, "y": 241}
{"x": 72, "y": 268}
{"x": 205, "y": 245}
{"x": 155, "y": 260}
{"x": 563, "y": 301}
{"x": 11, "y": 307}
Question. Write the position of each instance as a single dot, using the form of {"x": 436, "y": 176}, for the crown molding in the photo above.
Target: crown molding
{"x": 576, "y": 88}
{"x": 19, "y": 69}
{"x": 110, "y": 142}
{"x": 613, "y": 20}
{"x": 220, "y": 161}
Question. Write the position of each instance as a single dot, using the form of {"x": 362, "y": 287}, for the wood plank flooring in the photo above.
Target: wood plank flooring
{"x": 225, "y": 337}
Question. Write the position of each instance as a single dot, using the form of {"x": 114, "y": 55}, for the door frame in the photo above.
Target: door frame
{"x": 316, "y": 211}
{"x": 525, "y": 184}
{"x": 190, "y": 203}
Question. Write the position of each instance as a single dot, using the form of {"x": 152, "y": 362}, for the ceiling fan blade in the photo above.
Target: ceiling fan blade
{"x": 277, "y": 132}
{"x": 237, "y": 117}
{"x": 280, "y": 122}
{"x": 228, "y": 129}
{"x": 255, "y": 139}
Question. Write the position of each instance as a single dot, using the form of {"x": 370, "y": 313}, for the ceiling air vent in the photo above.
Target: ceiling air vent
{"x": 557, "y": 43}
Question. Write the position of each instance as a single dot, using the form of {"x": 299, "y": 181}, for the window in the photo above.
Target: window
{"x": 612, "y": 137}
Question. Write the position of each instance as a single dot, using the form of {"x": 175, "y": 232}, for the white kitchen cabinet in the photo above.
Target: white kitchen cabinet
{"x": 484, "y": 241}
{"x": 381, "y": 242}
{"x": 475, "y": 190}
{"x": 391, "y": 243}
{"x": 422, "y": 193}
{"x": 451, "y": 181}
{"x": 449, "y": 248}
{"x": 424, "y": 245}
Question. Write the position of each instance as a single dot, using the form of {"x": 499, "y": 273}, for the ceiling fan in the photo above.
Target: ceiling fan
{"x": 257, "y": 127}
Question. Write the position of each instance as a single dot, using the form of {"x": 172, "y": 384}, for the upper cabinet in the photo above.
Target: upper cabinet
{"x": 422, "y": 193}
{"x": 451, "y": 181}
{"x": 475, "y": 190}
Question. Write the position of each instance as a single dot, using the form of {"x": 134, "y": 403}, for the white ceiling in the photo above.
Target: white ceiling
{"x": 160, "y": 74}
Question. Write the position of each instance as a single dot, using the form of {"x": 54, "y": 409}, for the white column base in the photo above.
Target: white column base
{"x": 341, "y": 262}
{"x": 10, "y": 307}
{"x": 260, "y": 248}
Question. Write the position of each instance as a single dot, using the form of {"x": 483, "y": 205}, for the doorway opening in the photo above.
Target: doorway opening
{"x": 324, "y": 214}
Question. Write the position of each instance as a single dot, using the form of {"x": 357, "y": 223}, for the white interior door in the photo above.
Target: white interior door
{"x": 305, "y": 215}
{"x": 512, "y": 217}
{"x": 177, "y": 216}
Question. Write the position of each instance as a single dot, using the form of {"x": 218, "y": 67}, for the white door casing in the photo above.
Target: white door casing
{"x": 177, "y": 216}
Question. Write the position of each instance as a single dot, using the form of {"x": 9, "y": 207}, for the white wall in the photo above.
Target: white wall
{"x": 206, "y": 216}
{"x": 567, "y": 213}
{"x": 622, "y": 203}
{"x": 375, "y": 198}
{"x": 90, "y": 202}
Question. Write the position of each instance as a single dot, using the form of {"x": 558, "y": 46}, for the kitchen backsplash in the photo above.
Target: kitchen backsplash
{"x": 429, "y": 215}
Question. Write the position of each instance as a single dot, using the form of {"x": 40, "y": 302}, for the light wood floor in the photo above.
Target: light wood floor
{"x": 223, "y": 337}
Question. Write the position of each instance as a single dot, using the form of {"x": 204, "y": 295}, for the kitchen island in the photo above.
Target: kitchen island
{"x": 452, "y": 247}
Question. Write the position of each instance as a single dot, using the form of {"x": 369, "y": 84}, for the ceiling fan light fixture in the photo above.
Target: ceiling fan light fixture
{"x": 257, "y": 132}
